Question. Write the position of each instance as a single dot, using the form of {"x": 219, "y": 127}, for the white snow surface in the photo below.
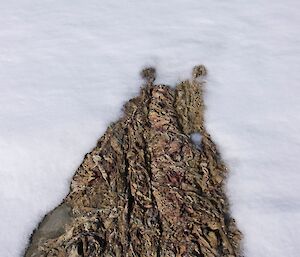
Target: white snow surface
{"x": 67, "y": 67}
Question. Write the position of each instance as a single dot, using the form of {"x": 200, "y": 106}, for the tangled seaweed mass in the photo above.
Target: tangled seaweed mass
{"x": 146, "y": 189}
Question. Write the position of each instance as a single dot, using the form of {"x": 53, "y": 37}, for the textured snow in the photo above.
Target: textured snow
{"x": 66, "y": 68}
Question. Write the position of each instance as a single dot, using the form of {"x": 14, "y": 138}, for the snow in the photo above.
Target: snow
{"x": 196, "y": 139}
{"x": 66, "y": 68}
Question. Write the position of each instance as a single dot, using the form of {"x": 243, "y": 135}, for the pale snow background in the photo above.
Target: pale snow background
{"x": 66, "y": 68}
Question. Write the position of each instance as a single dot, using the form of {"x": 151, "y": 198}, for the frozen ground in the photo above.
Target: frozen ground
{"x": 66, "y": 68}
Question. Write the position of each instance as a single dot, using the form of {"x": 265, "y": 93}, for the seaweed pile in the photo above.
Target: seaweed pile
{"x": 146, "y": 189}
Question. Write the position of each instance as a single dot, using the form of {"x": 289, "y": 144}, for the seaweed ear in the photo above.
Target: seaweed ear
{"x": 148, "y": 74}
{"x": 189, "y": 102}
{"x": 199, "y": 71}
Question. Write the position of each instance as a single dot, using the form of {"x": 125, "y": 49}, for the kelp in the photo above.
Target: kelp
{"x": 146, "y": 189}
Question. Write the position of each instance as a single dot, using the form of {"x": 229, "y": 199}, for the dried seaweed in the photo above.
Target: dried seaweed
{"x": 146, "y": 189}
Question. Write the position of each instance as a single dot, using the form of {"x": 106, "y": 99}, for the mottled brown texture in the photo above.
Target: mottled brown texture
{"x": 146, "y": 189}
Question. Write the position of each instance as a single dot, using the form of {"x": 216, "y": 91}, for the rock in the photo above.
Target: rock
{"x": 146, "y": 189}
